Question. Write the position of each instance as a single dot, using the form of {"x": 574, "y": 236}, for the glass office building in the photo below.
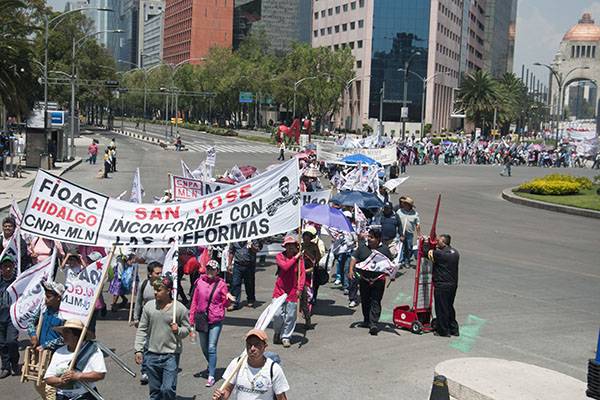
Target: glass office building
{"x": 400, "y": 34}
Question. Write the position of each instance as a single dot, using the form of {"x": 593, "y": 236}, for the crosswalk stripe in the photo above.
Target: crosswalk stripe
{"x": 232, "y": 148}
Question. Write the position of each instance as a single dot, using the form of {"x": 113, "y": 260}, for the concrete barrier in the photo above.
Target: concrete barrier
{"x": 497, "y": 379}
{"x": 507, "y": 194}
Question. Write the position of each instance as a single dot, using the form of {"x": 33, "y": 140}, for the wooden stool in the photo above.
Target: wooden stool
{"x": 35, "y": 365}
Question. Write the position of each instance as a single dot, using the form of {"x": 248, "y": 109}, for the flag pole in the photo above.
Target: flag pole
{"x": 133, "y": 293}
{"x": 89, "y": 317}
{"x": 175, "y": 286}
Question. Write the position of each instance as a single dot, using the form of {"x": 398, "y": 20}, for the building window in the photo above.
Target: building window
{"x": 345, "y": 7}
{"x": 315, "y": 33}
{"x": 358, "y": 64}
{"x": 337, "y": 29}
{"x": 322, "y": 13}
{"x": 361, "y": 3}
{"x": 361, "y": 23}
{"x": 336, "y": 47}
{"x": 316, "y": 15}
{"x": 329, "y": 30}
{"x": 352, "y": 25}
{"x": 330, "y": 12}
{"x": 588, "y": 51}
{"x": 593, "y": 51}
{"x": 353, "y": 5}
{"x": 351, "y": 44}
{"x": 322, "y": 31}
{"x": 359, "y": 44}
{"x": 344, "y": 27}
{"x": 337, "y": 9}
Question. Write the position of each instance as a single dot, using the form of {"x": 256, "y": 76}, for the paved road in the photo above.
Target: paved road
{"x": 528, "y": 291}
{"x": 196, "y": 141}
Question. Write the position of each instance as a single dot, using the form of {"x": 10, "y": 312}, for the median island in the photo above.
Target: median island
{"x": 562, "y": 189}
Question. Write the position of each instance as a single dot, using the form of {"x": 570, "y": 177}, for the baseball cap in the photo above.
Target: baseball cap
{"x": 262, "y": 335}
{"x": 165, "y": 281}
{"x": 55, "y": 287}
{"x": 8, "y": 257}
{"x": 212, "y": 264}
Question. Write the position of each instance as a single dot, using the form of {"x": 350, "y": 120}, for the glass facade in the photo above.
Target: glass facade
{"x": 400, "y": 30}
{"x": 283, "y": 21}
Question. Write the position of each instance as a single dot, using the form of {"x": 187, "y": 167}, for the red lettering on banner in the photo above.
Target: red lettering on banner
{"x": 64, "y": 213}
{"x": 140, "y": 213}
{"x": 245, "y": 191}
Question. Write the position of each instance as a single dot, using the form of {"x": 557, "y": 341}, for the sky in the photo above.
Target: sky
{"x": 541, "y": 25}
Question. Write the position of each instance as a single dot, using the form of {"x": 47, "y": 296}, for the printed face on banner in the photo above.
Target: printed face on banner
{"x": 259, "y": 207}
{"x": 80, "y": 291}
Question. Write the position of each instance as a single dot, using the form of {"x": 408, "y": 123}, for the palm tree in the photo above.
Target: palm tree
{"x": 16, "y": 80}
{"x": 478, "y": 96}
{"x": 513, "y": 99}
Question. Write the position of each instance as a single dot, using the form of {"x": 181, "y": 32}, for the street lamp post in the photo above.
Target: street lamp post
{"x": 146, "y": 72}
{"x": 405, "y": 90}
{"x": 425, "y": 82}
{"x": 560, "y": 80}
{"x": 47, "y": 23}
{"x": 76, "y": 45}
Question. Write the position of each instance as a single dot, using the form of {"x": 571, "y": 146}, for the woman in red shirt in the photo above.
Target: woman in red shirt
{"x": 290, "y": 280}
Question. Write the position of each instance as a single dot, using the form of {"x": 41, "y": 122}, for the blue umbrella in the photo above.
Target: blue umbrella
{"x": 361, "y": 199}
{"x": 359, "y": 158}
{"x": 324, "y": 215}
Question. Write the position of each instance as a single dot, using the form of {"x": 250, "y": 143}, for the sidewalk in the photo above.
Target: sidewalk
{"x": 19, "y": 188}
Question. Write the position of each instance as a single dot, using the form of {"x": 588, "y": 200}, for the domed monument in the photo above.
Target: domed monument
{"x": 578, "y": 57}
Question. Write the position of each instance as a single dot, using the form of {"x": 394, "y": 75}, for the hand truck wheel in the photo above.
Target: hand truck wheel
{"x": 416, "y": 327}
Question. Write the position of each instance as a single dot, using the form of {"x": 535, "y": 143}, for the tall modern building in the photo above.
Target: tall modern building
{"x": 500, "y": 22}
{"x": 282, "y": 21}
{"x": 152, "y": 52}
{"x": 439, "y": 41}
{"x": 148, "y": 10}
{"x": 192, "y": 27}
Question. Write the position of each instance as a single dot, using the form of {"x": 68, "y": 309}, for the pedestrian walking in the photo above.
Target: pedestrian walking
{"x": 207, "y": 312}
{"x": 445, "y": 280}
{"x": 259, "y": 377}
{"x": 311, "y": 257}
{"x": 9, "y": 346}
{"x": 145, "y": 293}
{"x": 163, "y": 338}
{"x": 290, "y": 281}
{"x": 242, "y": 264}
{"x": 281, "y": 151}
{"x": 89, "y": 367}
{"x": 411, "y": 224}
{"x": 371, "y": 280}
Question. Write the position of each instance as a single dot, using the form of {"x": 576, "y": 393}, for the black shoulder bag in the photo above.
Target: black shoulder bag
{"x": 201, "y": 318}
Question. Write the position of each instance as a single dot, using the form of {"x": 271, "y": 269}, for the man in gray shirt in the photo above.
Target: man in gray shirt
{"x": 163, "y": 338}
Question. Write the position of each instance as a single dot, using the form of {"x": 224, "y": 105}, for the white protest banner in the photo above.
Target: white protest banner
{"x": 185, "y": 188}
{"x": 186, "y": 171}
{"x": 13, "y": 249}
{"x": 332, "y": 153}
{"x": 211, "y": 157}
{"x": 27, "y": 294}
{"x": 377, "y": 262}
{"x": 394, "y": 183}
{"x": 80, "y": 291}
{"x": 237, "y": 174}
{"x": 213, "y": 187}
{"x": 15, "y": 212}
{"x": 137, "y": 190}
{"x": 171, "y": 261}
{"x": 200, "y": 172}
{"x": 320, "y": 197}
{"x": 360, "y": 220}
{"x": 260, "y": 207}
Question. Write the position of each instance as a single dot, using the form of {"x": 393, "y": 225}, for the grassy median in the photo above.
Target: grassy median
{"x": 584, "y": 199}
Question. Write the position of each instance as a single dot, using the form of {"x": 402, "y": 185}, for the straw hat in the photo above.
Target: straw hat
{"x": 72, "y": 324}
{"x": 312, "y": 172}
{"x": 310, "y": 230}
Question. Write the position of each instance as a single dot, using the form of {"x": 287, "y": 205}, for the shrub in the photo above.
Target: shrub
{"x": 556, "y": 184}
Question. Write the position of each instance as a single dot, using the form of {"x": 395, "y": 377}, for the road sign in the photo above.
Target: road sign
{"x": 57, "y": 118}
{"x": 246, "y": 97}
{"x": 404, "y": 112}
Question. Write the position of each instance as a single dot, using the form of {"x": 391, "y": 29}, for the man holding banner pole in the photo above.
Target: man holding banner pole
{"x": 163, "y": 340}
{"x": 9, "y": 347}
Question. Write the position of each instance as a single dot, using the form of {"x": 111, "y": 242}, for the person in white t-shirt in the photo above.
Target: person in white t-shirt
{"x": 67, "y": 380}
{"x": 258, "y": 378}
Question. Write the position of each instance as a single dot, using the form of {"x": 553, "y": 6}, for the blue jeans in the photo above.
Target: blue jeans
{"x": 208, "y": 343}
{"x": 162, "y": 375}
{"x": 407, "y": 248}
{"x": 246, "y": 275}
{"x": 343, "y": 265}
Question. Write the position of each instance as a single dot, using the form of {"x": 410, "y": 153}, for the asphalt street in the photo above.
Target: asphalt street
{"x": 528, "y": 290}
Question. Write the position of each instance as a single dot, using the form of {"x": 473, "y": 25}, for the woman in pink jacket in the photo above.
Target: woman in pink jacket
{"x": 210, "y": 286}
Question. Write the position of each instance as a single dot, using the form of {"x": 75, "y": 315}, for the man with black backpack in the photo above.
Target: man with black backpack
{"x": 258, "y": 377}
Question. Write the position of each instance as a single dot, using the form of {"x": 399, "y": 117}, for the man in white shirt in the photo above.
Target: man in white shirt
{"x": 258, "y": 378}
{"x": 89, "y": 368}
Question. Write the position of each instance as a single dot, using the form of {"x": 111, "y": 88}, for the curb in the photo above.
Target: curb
{"x": 140, "y": 136}
{"x": 69, "y": 167}
{"x": 507, "y": 194}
